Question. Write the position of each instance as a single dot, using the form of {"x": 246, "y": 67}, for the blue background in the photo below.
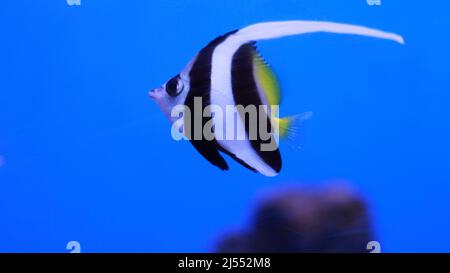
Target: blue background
{"x": 88, "y": 157}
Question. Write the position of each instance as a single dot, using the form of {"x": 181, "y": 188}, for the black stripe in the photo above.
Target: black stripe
{"x": 200, "y": 86}
{"x": 245, "y": 92}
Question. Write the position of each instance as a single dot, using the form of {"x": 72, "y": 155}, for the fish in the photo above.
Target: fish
{"x": 230, "y": 72}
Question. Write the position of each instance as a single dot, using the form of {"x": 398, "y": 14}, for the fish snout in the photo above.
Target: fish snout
{"x": 153, "y": 94}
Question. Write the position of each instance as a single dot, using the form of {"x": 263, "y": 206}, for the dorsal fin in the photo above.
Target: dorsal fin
{"x": 273, "y": 30}
{"x": 266, "y": 79}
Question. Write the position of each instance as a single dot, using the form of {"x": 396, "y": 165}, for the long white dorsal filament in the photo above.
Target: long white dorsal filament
{"x": 272, "y": 30}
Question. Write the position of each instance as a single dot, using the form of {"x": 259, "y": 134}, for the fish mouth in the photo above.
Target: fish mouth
{"x": 152, "y": 94}
{"x": 156, "y": 93}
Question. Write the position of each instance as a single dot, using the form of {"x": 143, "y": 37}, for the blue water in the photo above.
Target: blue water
{"x": 86, "y": 156}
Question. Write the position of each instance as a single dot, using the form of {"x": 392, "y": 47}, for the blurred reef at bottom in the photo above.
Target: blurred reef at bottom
{"x": 316, "y": 219}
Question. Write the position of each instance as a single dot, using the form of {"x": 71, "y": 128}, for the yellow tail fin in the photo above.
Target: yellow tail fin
{"x": 287, "y": 127}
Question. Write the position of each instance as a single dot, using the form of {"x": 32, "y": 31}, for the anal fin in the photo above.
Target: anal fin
{"x": 209, "y": 151}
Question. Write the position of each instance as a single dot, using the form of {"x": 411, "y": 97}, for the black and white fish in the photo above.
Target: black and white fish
{"x": 229, "y": 71}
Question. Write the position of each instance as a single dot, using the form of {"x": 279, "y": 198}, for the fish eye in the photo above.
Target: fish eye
{"x": 174, "y": 86}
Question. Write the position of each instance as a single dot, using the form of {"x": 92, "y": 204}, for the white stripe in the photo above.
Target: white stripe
{"x": 222, "y": 95}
